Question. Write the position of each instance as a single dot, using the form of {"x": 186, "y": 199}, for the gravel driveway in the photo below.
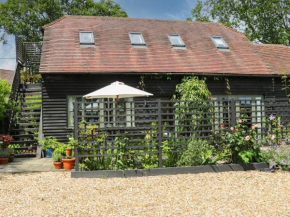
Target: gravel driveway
{"x": 208, "y": 194}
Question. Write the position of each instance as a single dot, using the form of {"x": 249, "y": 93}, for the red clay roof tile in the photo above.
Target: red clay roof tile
{"x": 277, "y": 57}
{"x": 113, "y": 52}
{"x": 7, "y": 74}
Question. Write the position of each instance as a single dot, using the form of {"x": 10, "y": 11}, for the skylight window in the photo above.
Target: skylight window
{"x": 219, "y": 42}
{"x": 176, "y": 40}
{"x": 87, "y": 38}
{"x": 137, "y": 39}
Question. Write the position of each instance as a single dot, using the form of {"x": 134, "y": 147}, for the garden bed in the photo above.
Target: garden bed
{"x": 168, "y": 171}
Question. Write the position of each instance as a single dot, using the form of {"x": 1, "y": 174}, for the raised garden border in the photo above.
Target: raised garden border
{"x": 168, "y": 171}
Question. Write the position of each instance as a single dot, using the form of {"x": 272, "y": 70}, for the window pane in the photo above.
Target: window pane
{"x": 136, "y": 39}
{"x": 219, "y": 42}
{"x": 176, "y": 40}
{"x": 86, "y": 37}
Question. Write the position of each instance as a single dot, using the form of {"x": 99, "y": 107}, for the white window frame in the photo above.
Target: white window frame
{"x": 259, "y": 106}
{"x": 142, "y": 43}
{"x": 225, "y": 46}
{"x": 102, "y": 105}
{"x": 87, "y": 43}
{"x": 171, "y": 41}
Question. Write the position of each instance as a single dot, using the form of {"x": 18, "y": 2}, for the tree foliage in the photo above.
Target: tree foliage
{"x": 265, "y": 21}
{"x": 192, "y": 88}
{"x": 193, "y": 105}
{"x": 26, "y": 17}
{"x": 5, "y": 90}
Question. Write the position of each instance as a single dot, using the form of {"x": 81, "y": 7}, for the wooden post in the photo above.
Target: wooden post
{"x": 159, "y": 134}
{"x": 233, "y": 113}
{"x": 76, "y": 135}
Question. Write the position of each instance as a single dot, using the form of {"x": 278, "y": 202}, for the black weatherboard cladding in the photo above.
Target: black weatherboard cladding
{"x": 56, "y": 88}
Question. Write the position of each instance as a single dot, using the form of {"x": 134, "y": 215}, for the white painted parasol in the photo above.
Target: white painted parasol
{"x": 117, "y": 90}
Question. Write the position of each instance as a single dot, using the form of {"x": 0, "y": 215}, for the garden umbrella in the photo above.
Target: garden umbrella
{"x": 117, "y": 90}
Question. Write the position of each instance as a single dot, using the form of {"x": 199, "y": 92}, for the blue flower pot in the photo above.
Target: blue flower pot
{"x": 49, "y": 152}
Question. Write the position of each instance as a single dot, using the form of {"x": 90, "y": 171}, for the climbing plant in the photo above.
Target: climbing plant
{"x": 192, "y": 109}
{"x": 5, "y": 90}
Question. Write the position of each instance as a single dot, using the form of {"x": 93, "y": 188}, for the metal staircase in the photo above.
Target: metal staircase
{"x": 25, "y": 122}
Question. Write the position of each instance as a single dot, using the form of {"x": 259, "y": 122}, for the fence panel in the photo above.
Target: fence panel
{"x": 108, "y": 129}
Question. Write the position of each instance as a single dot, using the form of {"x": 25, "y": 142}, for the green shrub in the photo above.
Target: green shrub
{"x": 241, "y": 140}
{"x": 5, "y": 90}
{"x": 56, "y": 157}
{"x": 50, "y": 142}
{"x": 198, "y": 153}
{"x": 278, "y": 156}
{"x": 4, "y": 154}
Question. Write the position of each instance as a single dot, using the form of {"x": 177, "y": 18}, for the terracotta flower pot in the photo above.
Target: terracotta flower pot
{"x": 68, "y": 152}
{"x": 68, "y": 164}
{"x": 4, "y": 160}
{"x": 11, "y": 158}
{"x": 58, "y": 165}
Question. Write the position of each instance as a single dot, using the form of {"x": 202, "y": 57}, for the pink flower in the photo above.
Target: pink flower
{"x": 247, "y": 138}
{"x": 254, "y": 126}
{"x": 273, "y": 137}
{"x": 240, "y": 121}
{"x": 232, "y": 129}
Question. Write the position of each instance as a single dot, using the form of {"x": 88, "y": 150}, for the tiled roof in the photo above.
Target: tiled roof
{"x": 7, "y": 74}
{"x": 113, "y": 52}
{"x": 277, "y": 57}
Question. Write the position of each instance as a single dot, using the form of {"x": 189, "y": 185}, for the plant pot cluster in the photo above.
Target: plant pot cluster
{"x": 6, "y": 155}
{"x": 62, "y": 154}
{"x": 67, "y": 162}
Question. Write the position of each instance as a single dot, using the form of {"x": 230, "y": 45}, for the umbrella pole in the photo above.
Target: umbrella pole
{"x": 117, "y": 100}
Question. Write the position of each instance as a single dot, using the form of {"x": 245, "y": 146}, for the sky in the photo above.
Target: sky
{"x": 151, "y": 9}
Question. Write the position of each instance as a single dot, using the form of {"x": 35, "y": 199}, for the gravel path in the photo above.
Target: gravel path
{"x": 208, "y": 194}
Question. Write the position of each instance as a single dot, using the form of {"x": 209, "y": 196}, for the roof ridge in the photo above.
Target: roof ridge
{"x": 143, "y": 19}
{"x": 231, "y": 28}
{"x": 274, "y": 45}
{"x": 55, "y": 21}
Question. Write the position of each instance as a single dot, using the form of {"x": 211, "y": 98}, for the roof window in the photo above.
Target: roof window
{"x": 87, "y": 38}
{"x": 137, "y": 39}
{"x": 219, "y": 42}
{"x": 176, "y": 40}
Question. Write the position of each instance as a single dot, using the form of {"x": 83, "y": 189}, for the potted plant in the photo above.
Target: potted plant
{"x": 56, "y": 158}
{"x": 68, "y": 162}
{"x": 4, "y": 157}
{"x": 12, "y": 154}
{"x": 49, "y": 144}
{"x": 68, "y": 150}
{"x": 5, "y": 140}
{"x": 71, "y": 144}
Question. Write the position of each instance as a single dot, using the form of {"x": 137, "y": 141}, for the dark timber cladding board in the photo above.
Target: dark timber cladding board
{"x": 56, "y": 88}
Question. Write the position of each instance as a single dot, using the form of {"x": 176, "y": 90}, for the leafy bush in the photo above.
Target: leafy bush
{"x": 5, "y": 90}
{"x": 96, "y": 163}
{"x": 4, "y": 154}
{"x": 5, "y": 141}
{"x": 56, "y": 157}
{"x": 50, "y": 142}
{"x": 123, "y": 159}
{"x": 241, "y": 140}
{"x": 198, "y": 153}
{"x": 278, "y": 156}
{"x": 191, "y": 109}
